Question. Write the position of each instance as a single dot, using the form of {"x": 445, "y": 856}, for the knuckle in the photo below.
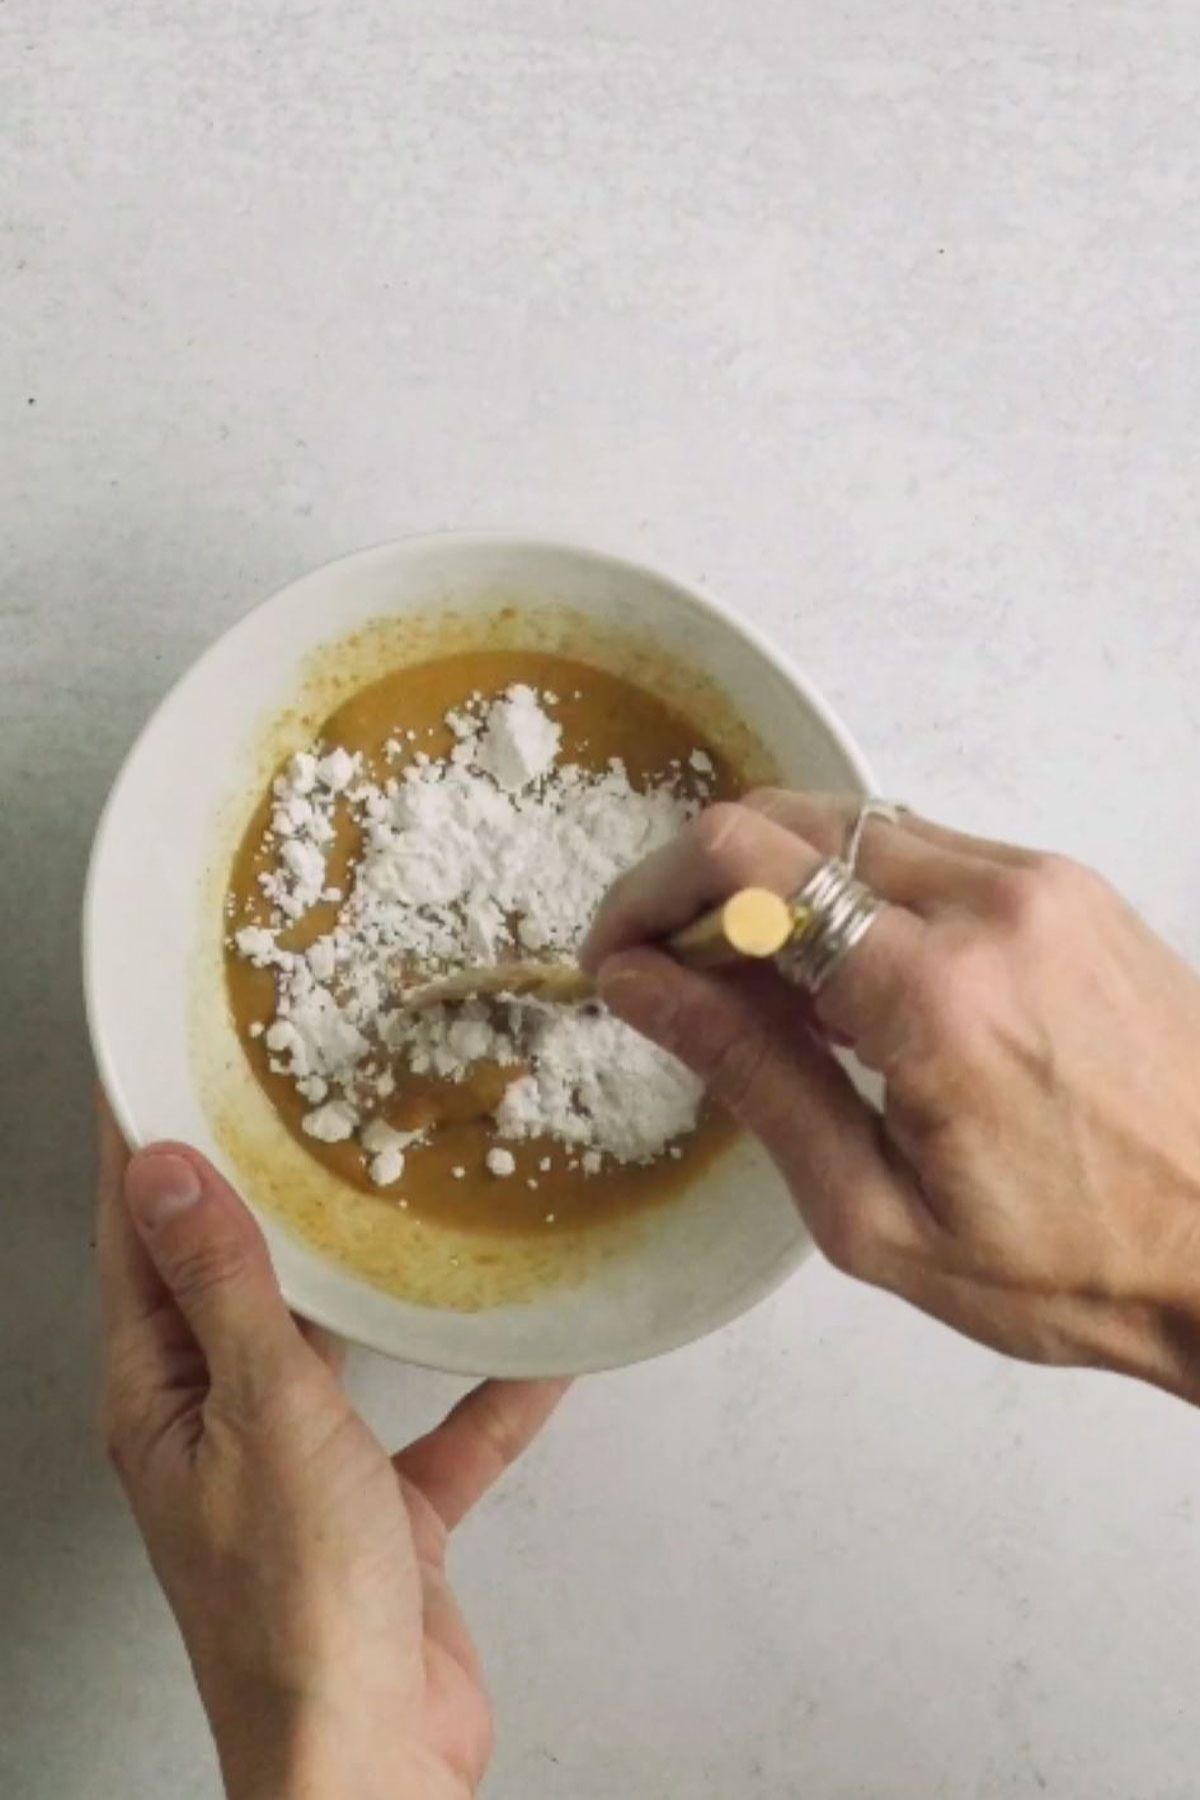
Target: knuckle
{"x": 1073, "y": 883}
{"x": 1038, "y": 895}
{"x": 952, "y": 990}
{"x": 846, "y": 1243}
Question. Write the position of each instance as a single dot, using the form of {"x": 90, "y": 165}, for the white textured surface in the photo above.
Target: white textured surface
{"x": 878, "y": 317}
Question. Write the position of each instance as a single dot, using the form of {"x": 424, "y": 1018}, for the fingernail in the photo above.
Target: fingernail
{"x": 158, "y": 1186}
{"x": 639, "y": 996}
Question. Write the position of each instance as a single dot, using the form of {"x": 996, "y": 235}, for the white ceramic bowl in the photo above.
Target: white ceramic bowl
{"x": 152, "y": 920}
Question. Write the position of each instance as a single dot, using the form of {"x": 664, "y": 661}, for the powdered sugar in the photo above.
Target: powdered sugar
{"x": 519, "y": 743}
{"x": 331, "y": 1123}
{"x": 593, "y": 1082}
{"x": 386, "y": 1149}
{"x": 498, "y": 850}
{"x": 454, "y": 857}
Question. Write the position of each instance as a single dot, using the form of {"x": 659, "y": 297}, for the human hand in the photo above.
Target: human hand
{"x": 305, "y": 1568}
{"x": 1034, "y": 1178}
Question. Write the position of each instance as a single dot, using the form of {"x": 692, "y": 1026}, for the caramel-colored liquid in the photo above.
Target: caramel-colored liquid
{"x": 602, "y": 716}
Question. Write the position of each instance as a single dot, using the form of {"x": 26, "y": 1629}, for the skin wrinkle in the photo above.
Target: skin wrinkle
{"x": 736, "y": 1072}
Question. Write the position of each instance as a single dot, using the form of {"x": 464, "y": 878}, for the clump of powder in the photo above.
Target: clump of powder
{"x": 498, "y": 850}
{"x": 519, "y": 742}
{"x": 595, "y": 1084}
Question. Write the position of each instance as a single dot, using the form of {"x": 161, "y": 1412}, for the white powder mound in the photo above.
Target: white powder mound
{"x": 594, "y": 1082}
{"x": 497, "y": 851}
{"x": 454, "y": 857}
{"x": 257, "y": 945}
{"x": 332, "y": 1123}
{"x": 386, "y": 1147}
{"x": 519, "y": 742}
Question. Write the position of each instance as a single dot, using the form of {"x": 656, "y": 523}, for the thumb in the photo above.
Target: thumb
{"x": 746, "y": 1039}
{"x": 213, "y": 1260}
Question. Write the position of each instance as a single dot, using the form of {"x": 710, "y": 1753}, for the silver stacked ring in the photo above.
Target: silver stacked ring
{"x": 833, "y": 912}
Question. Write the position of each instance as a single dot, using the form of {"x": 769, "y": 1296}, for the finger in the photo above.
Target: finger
{"x": 775, "y": 840}
{"x": 457, "y": 1462}
{"x": 152, "y": 1369}
{"x": 725, "y": 848}
{"x": 827, "y": 819}
{"x": 133, "y": 1299}
{"x": 742, "y": 1039}
{"x": 732, "y": 846}
{"x": 212, "y": 1258}
{"x": 895, "y": 862}
{"x": 988, "y": 850}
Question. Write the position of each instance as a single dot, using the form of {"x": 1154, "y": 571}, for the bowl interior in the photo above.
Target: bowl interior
{"x": 152, "y": 933}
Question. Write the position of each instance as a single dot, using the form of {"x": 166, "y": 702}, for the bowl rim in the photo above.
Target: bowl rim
{"x": 667, "y": 1339}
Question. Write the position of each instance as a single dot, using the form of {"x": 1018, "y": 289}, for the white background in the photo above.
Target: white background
{"x": 880, "y": 318}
